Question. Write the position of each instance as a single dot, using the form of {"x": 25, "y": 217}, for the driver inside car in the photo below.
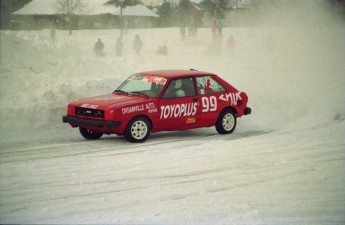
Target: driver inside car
{"x": 179, "y": 92}
{"x": 174, "y": 90}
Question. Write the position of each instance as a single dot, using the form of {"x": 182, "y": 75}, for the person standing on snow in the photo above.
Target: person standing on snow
{"x": 219, "y": 24}
{"x": 137, "y": 45}
{"x": 231, "y": 44}
{"x": 52, "y": 34}
{"x": 214, "y": 29}
{"x": 99, "y": 47}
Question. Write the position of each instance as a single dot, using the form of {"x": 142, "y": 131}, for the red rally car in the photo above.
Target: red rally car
{"x": 166, "y": 100}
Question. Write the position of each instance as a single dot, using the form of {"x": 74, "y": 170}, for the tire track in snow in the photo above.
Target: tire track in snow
{"x": 105, "y": 146}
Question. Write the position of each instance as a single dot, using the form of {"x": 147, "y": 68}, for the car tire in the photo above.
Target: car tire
{"x": 89, "y": 134}
{"x": 226, "y": 122}
{"x": 138, "y": 129}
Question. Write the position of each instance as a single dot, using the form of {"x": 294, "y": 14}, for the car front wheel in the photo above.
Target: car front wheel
{"x": 138, "y": 129}
{"x": 226, "y": 122}
{"x": 89, "y": 134}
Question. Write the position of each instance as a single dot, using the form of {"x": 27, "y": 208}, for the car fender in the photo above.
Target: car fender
{"x": 129, "y": 112}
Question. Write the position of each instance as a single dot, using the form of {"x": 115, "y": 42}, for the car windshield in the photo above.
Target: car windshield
{"x": 140, "y": 84}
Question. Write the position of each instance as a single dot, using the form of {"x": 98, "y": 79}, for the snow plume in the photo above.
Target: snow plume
{"x": 297, "y": 13}
{"x": 290, "y": 62}
{"x": 294, "y": 56}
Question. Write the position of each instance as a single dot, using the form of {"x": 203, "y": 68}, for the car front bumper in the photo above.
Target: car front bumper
{"x": 74, "y": 121}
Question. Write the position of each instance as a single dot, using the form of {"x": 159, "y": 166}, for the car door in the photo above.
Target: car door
{"x": 209, "y": 94}
{"x": 179, "y": 105}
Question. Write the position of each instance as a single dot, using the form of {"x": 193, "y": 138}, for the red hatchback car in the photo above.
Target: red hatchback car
{"x": 166, "y": 100}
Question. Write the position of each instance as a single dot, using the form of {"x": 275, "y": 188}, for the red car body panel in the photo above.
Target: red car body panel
{"x": 112, "y": 112}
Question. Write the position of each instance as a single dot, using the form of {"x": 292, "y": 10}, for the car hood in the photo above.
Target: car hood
{"x": 114, "y": 100}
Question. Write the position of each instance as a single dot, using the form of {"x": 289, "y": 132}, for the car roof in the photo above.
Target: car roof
{"x": 177, "y": 73}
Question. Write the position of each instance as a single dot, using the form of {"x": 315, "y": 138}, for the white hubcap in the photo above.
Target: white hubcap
{"x": 228, "y": 122}
{"x": 139, "y": 130}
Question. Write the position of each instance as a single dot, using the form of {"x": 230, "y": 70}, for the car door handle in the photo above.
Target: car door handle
{"x": 195, "y": 99}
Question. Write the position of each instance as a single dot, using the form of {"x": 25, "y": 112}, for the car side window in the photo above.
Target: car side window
{"x": 208, "y": 85}
{"x": 181, "y": 87}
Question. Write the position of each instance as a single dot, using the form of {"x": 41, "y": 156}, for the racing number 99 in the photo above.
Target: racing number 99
{"x": 209, "y": 104}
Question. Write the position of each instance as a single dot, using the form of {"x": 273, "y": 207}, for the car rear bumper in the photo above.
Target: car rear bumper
{"x": 74, "y": 121}
{"x": 247, "y": 111}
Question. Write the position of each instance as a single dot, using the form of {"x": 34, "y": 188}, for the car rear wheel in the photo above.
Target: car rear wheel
{"x": 89, "y": 134}
{"x": 138, "y": 129}
{"x": 226, "y": 122}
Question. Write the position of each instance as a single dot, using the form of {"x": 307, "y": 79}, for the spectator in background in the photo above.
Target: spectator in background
{"x": 52, "y": 34}
{"x": 98, "y": 48}
{"x": 137, "y": 45}
{"x": 162, "y": 50}
{"x": 231, "y": 44}
{"x": 219, "y": 24}
{"x": 125, "y": 26}
{"x": 214, "y": 29}
{"x": 183, "y": 32}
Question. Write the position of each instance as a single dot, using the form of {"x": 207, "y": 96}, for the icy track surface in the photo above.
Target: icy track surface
{"x": 284, "y": 164}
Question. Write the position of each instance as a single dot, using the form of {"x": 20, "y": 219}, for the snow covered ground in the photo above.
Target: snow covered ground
{"x": 284, "y": 164}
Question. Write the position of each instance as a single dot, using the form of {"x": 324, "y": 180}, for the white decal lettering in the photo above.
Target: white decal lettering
{"x": 231, "y": 97}
{"x": 183, "y": 110}
{"x": 172, "y": 110}
{"x": 132, "y": 109}
{"x": 213, "y": 103}
{"x": 151, "y": 107}
{"x": 178, "y": 110}
{"x": 89, "y": 106}
{"x": 223, "y": 98}
{"x": 152, "y": 110}
{"x": 209, "y": 104}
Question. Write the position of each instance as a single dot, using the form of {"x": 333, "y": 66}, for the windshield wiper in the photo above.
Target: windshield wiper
{"x": 139, "y": 93}
{"x": 120, "y": 91}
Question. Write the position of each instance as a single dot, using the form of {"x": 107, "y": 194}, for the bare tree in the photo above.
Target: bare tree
{"x": 122, "y": 4}
{"x": 69, "y": 8}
